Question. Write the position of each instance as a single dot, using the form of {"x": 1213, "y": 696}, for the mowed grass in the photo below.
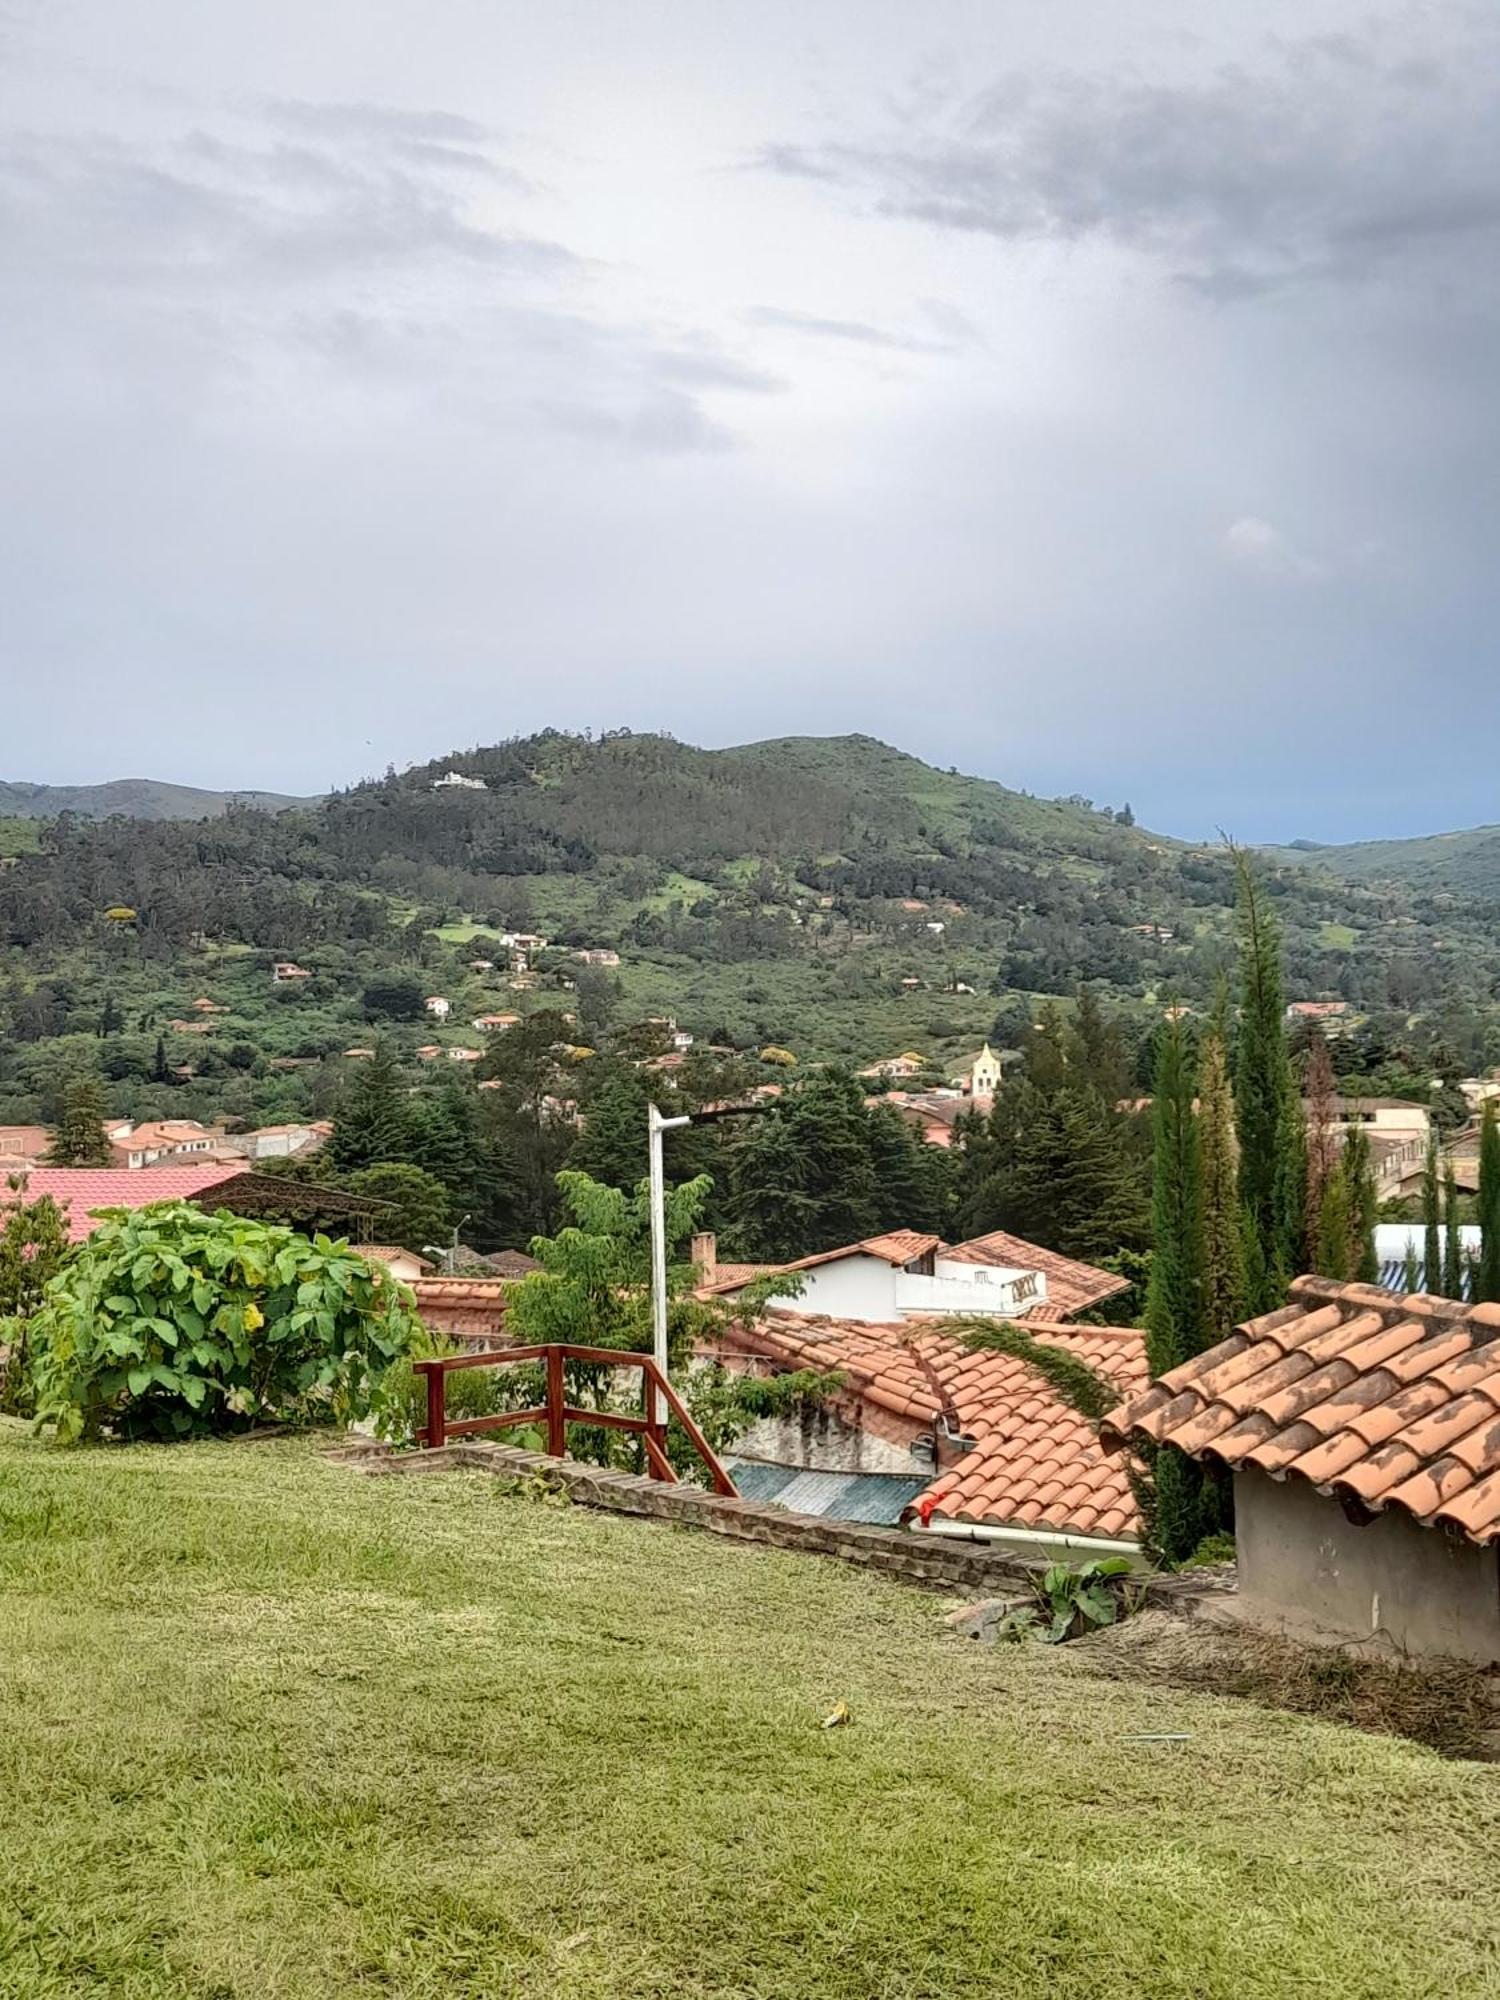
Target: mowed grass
{"x": 268, "y": 1727}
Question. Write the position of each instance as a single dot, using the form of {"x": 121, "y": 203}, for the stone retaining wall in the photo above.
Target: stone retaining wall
{"x": 918, "y": 1558}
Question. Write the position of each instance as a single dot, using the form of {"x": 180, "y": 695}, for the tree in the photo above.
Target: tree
{"x": 159, "y": 1071}
{"x": 1267, "y": 1112}
{"x": 33, "y": 1244}
{"x": 1223, "y": 1239}
{"x": 802, "y": 1178}
{"x": 373, "y": 1122}
{"x": 1175, "y": 1326}
{"x": 393, "y": 1000}
{"x": 1185, "y": 1502}
{"x": 79, "y": 1139}
{"x": 421, "y": 1212}
{"x": 1364, "y": 1205}
{"x": 170, "y": 1323}
{"x": 1455, "y": 1273}
{"x": 612, "y": 1146}
{"x": 1432, "y": 1234}
{"x": 1487, "y": 1276}
{"x": 1322, "y": 1148}
{"x": 111, "y": 1019}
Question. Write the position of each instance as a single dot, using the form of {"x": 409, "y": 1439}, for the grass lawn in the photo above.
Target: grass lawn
{"x": 271, "y": 1728}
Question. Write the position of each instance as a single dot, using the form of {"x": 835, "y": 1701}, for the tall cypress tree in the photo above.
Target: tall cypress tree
{"x": 1184, "y": 1501}
{"x": 1455, "y": 1277}
{"x": 1487, "y": 1275}
{"x": 1175, "y": 1325}
{"x": 1364, "y": 1205}
{"x": 1223, "y": 1245}
{"x": 1268, "y": 1112}
{"x": 1432, "y": 1232}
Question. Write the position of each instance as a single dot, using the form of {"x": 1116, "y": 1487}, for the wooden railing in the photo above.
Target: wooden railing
{"x": 557, "y": 1412}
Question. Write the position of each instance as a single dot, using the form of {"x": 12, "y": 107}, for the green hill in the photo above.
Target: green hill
{"x": 831, "y": 895}
{"x": 136, "y": 798}
{"x": 1466, "y": 863}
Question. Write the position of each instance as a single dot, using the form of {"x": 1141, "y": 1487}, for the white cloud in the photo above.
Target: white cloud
{"x": 1254, "y": 544}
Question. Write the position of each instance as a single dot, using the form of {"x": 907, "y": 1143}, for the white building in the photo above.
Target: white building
{"x": 890, "y": 1278}
{"x": 438, "y": 1007}
{"x": 455, "y": 781}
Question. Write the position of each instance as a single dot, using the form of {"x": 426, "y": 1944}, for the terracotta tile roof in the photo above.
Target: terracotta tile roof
{"x": 897, "y": 1246}
{"x": 1036, "y": 1463}
{"x": 1072, "y": 1287}
{"x": 1387, "y": 1400}
{"x": 388, "y": 1253}
{"x": 79, "y": 1190}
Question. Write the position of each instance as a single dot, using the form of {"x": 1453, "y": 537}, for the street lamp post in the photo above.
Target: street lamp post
{"x": 655, "y": 1126}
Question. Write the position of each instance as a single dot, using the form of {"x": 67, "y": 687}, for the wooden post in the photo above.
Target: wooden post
{"x": 557, "y": 1429}
{"x": 436, "y": 1407}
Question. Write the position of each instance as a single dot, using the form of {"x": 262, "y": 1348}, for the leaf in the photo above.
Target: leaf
{"x": 837, "y": 1718}
{"x": 1097, "y": 1604}
{"x": 139, "y": 1380}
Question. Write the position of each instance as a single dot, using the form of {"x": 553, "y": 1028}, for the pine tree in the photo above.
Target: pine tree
{"x": 159, "y": 1073}
{"x": 1487, "y": 1275}
{"x": 1432, "y": 1233}
{"x": 373, "y": 1122}
{"x": 1223, "y": 1246}
{"x": 79, "y": 1139}
{"x": 1455, "y": 1276}
{"x": 1175, "y": 1326}
{"x": 612, "y": 1147}
{"x": 1268, "y": 1114}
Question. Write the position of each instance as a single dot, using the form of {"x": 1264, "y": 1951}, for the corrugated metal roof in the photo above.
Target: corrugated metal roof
{"x": 878, "y": 1498}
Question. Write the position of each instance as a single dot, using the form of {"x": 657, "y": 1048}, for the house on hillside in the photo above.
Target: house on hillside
{"x": 597, "y": 955}
{"x": 906, "y": 1275}
{"x": 921, "y": 1430}
{"x": 284, "y": 1142}
{"x": 286, "y": 969}
{"x": 1332, "y": 1016}
{"x": 492, "y": 1024}
{"x": 908, "y": 1063}
{"x": 206, "y": 1006}
{"x": 163, "y": 1139}
{"x": 464, "y": 1055}
{"x": 438, "y": 1007}
{"x": 455, "y": 781}
{"x": 1362, "y": 1432}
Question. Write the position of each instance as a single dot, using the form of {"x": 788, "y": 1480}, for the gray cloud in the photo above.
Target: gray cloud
{"x": 1340, "y": 157}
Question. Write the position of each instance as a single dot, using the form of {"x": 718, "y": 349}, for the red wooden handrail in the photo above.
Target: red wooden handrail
{"x": 557, "y": 1413}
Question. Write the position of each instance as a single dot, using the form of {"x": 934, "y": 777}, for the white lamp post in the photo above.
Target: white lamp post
{"x": 655, "y": 1126}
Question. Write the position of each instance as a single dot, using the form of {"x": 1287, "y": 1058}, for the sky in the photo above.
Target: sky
{"x": 1104, "y": 398}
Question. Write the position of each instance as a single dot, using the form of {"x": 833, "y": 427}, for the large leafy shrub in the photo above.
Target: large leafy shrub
{"x": 172, "y": 1323}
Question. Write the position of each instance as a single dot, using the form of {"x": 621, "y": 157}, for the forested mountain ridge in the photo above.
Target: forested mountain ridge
{"x": 829, "y": 895}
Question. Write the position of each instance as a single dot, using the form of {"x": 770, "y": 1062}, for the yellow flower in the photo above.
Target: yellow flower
{"x": 254, "y": 1318}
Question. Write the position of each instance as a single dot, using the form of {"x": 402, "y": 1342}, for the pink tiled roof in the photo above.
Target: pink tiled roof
{"x": 1036, "y": 1462}
{"x": 1072, "y": 1287}
{"x": 79, "y": 1190}
{"x": 1369, "y": 1396}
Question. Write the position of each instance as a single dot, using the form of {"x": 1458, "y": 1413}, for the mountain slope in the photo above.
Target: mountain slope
{"x": 1467, "y": 863}
{"x": 136, "y": 798}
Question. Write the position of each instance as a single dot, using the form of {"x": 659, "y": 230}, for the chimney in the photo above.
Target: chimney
{"x": 705, "y": 1254}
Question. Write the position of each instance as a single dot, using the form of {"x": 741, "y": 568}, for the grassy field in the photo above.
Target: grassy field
{"x": 270, "y": 1728}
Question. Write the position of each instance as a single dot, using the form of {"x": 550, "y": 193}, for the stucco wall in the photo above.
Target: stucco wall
{"x": 1305, "y": 1568}
{"x": 824, "y": 1440}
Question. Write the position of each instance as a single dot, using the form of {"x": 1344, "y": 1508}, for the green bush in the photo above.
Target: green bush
{"x": 471, "y": 1392}
{"x": 172, "y": 1323}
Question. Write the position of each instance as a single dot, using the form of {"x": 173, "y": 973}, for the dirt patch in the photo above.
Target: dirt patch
{"x": 1452, "y": 1709}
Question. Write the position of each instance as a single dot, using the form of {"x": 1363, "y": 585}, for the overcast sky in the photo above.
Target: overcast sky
{"x": 1095, "y": 394}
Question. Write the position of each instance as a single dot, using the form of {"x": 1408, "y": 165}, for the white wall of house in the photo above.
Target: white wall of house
{"x": 868, "y": 1288}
